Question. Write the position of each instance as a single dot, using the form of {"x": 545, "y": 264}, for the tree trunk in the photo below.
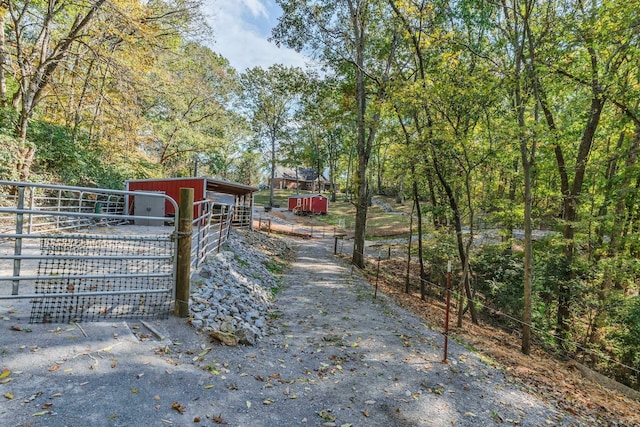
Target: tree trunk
{"x": 570, "y": 207}
{"x": 527, "y": 157}
{"x": 457, "y": 223}
{"x": 273, "y": 168}
{"x": 527, "y": 165}
{"x": 407, "y": 277}
{"x": 400, "y": 195}
{"x": 364, "y": 142}
{"x": 34, "y": 77}
{"x": 416, "y": 203}
{"x": 3, "y": 59}
{"x": 349, "y": 183}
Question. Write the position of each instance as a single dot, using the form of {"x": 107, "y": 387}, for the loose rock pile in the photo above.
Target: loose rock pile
{"x": 231, "y": 294}
{"x": 385, "y": 206}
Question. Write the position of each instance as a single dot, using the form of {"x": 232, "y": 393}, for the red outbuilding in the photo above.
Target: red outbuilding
{"x": 240, "y": 196}
{"x": 308, "y": 204}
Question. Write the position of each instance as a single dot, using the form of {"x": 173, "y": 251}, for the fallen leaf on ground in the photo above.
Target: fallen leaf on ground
{"x": 178, "y": 407}
{"x": 326, "y": 415}
{"x": 32, "y": 397}
{"x": 9, "y": 395}
{"x": 219, "y": 420}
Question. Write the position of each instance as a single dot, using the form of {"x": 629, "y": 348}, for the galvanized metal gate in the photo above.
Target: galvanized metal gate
{"x": 74, "y": 254}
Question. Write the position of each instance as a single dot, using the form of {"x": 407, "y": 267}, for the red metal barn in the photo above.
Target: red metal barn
{"x": 240, "y": 195}
{"x": 308, "y": 204}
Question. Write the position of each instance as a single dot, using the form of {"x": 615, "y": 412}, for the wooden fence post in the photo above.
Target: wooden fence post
{"x": 183, "y": 268}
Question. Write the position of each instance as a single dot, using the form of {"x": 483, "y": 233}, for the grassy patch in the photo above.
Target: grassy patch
{"x": 240, "y": 261}
{"x": 274, "y": 291}
{"x": 275, "y": 314}
{"x": 333, "y": 339}
{"x": 275, "y": 267}
{"x": 380, "y": 224}
{"x": 342, "y": 214}
{"x": 280, "y": 197}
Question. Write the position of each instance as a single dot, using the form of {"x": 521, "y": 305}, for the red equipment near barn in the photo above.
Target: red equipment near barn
{"x": 170, "y": 187}
{"x": 308, "y": 204}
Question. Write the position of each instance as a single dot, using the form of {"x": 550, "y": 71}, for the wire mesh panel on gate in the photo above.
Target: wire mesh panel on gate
{"x": 96, "y": 277}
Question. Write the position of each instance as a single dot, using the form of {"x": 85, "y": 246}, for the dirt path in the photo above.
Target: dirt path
{"x": 334, "y": 357}
{"x": 338, "y": 357}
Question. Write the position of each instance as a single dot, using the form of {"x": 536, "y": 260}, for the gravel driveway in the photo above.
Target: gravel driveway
{"x": 338, "y": 357}
{"x": 334, "y": 356}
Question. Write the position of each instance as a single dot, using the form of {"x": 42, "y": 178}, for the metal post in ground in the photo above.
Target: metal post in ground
{"x": 220, "y": 230}
{"x": 375, "y": 293}
{"x": 59, "y": 208}
{"x": 183, "y": 269}
{"x": 31, "y": 205}
{"x": 199, "y": 243}
{"x": 446, "y": 316}
{"x": 17, "y": 249}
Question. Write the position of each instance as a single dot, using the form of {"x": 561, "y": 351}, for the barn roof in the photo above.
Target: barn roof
{"x": 228, "y": 187}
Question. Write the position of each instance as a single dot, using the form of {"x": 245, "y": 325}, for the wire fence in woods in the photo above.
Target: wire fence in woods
{"x": 375, "y": 254}
{"x": 459, "y": 297}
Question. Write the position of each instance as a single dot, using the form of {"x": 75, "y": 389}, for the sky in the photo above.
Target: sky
{"x": 241, "y": 29}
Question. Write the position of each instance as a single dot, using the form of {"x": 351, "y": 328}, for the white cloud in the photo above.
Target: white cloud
{"x": 256, "y": 7}
{"x": 241, "y": 29}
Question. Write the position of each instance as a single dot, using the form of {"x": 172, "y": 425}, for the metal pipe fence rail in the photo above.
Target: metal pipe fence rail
{"x": 60, "y": 252}
{"x": 242, "y": 216}
{"x": 62, "y": 200}
{"x": 211, "y": 227}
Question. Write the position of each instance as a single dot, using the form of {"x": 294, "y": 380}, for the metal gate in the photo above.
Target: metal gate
{"x": 74, "y": 254}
